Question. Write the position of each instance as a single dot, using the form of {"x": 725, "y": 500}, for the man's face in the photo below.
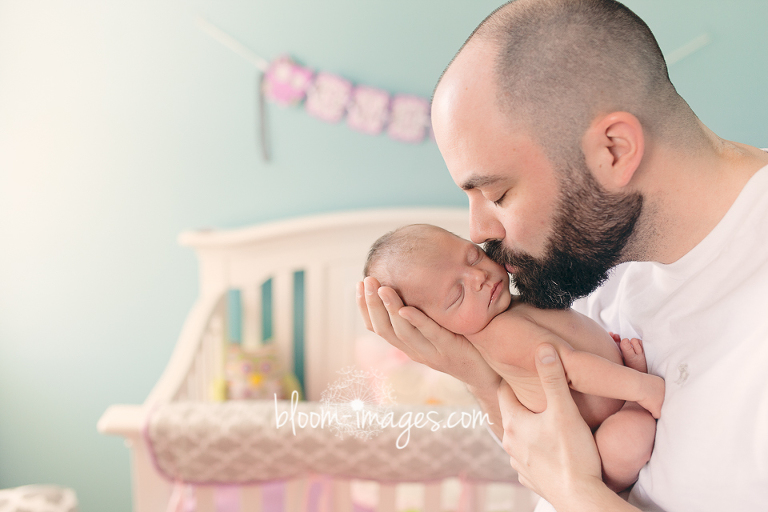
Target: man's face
{"x": 590, "y": 230}
{"x": 456, "y": 284}
{"x": 553, "y": 228}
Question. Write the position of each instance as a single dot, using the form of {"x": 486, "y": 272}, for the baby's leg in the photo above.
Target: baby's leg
{"x": 625, "y": 439}
{"x": 625, "y": 442}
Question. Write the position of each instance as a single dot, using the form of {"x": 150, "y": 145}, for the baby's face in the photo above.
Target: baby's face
{"x": 456, "y": 284}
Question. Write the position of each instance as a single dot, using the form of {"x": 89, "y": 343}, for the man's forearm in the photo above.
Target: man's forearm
{"x": 591, "y": 495}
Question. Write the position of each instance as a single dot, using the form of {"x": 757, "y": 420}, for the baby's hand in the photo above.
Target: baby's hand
{"x": 654, "y": 387}
{"x": 632, "y": 352}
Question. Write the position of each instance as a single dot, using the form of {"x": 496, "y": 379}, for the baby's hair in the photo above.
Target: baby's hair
{"x": 394, "y": 248}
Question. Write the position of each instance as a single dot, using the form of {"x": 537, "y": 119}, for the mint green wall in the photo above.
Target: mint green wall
{"x": 121, "y": 124}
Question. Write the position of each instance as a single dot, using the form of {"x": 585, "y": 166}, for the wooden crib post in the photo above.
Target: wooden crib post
{"x": 282, "y": 304}
{"x": 342, "y": 496}
{"x": 433, "y": 498}
{"x": 250, "y": 498}
{"x": 250, "y": 299}
{"x": 387, "y": 498}
{"x": 204, "y": 498}
{"x": 295, "y": 495}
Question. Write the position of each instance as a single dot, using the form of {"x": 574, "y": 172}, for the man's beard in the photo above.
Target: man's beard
{"x": 591, "y": 230}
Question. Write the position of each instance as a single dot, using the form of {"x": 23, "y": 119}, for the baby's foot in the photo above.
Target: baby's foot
{"x": 633, "y": 354}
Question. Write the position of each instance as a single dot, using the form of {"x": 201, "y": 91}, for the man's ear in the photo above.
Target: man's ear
{"x": 613, "y": 147}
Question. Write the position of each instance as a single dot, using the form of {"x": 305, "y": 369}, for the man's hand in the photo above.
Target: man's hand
{"x": 554, "y": 452}
{"x": 423, "y": 340}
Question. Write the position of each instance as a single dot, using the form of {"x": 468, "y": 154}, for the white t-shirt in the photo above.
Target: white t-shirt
{"x": 704, "y": 324}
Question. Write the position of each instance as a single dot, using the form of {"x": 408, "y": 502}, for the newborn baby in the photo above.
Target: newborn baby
{"x": 453, "y": 281}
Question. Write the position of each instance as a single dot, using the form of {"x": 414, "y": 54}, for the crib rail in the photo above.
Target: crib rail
{"x": 314, "y": 262}
{"x": 196, "y": 357}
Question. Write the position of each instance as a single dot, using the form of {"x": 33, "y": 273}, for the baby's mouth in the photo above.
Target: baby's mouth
{"x": 495, "y": 292}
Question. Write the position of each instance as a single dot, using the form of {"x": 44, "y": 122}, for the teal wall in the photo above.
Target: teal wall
{"x": 121, "y": 124}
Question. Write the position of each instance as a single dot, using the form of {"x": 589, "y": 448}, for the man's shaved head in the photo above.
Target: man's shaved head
{"x": 559, "y": 63}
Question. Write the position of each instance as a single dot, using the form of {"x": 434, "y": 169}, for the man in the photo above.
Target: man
{"x": 584, "y": 168}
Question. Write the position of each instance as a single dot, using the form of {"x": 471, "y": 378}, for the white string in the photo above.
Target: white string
{"x": 261, "y": 63}
{"x": 232, "y": 43}
{"x": 688, "y": 48}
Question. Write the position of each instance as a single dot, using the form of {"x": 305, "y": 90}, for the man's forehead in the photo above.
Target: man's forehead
{"x": 467, "y": 82}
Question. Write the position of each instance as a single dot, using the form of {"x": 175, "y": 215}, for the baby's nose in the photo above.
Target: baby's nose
{"x": 480, "y": 277}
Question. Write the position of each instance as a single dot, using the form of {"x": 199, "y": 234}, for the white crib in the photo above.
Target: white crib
{"x": 312, "y": 264}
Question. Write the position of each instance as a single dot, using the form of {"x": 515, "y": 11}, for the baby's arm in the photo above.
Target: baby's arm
{"x": 594, "y": 375}
{"x": 512, "y": 339}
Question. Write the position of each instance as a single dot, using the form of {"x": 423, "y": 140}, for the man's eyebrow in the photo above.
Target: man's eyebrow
{"x": 475, "y": 181}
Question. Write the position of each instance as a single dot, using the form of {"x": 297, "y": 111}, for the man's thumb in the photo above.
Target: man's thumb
{"x": 551, "y": 372}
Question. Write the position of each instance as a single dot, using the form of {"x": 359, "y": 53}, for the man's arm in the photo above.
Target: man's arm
{"x": 426, "y": 342}
{"x": 554, "y": 452}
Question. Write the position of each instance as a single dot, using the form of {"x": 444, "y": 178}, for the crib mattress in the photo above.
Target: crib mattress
{"x": 239, "y": 442}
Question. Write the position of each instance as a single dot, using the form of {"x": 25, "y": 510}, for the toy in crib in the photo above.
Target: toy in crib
{"x": 256, "y": 374}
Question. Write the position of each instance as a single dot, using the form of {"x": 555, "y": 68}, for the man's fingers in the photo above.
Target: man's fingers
{"x": 404, "y": 331}
{"x": 509, "y": 406}
{"x": 383, "y": 316}
{"x": 378, "y": 313}
{"x": 391, "y": 300}
{"x": 426, "y": 326}
{"x": 362, "y": 306}
{"x": 552, "y": 375}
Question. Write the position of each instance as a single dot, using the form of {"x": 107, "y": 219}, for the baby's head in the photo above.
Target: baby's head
{"x": 448, "y": 278}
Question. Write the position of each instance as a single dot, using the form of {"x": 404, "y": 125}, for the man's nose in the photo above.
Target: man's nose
{"x": 483, "y": 224}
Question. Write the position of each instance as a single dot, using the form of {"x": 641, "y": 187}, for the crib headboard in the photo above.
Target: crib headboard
{"x": 311, "y": 265}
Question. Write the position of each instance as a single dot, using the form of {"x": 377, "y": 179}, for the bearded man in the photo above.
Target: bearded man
{"x": 597, "y": 186}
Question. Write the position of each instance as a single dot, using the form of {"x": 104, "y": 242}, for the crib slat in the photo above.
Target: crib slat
{"x": 250, "y": 300}
{"x": 433, "y": 498}
{"x": 214, "y": 348}
{"x": 205, "y": 499}
{"x": 387, "y": 498}
{"x": 203, "y": 373}
{"x": 316, "y": 367}
{"x": 192, "y": 381}
{"x": 282, "y": 307}
{"x": 250, "y": 498}
{"x": 342, "y": 496}
{"x": 294, "y": 495}
{"x": 475, "y": 496}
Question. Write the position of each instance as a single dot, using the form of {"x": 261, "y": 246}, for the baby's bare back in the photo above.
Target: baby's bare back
{"x": 509, "y": 344}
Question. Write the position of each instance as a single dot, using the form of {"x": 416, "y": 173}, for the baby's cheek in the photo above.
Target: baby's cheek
{"x": 442, "y": 318}
{"x": 469, "y": 322}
